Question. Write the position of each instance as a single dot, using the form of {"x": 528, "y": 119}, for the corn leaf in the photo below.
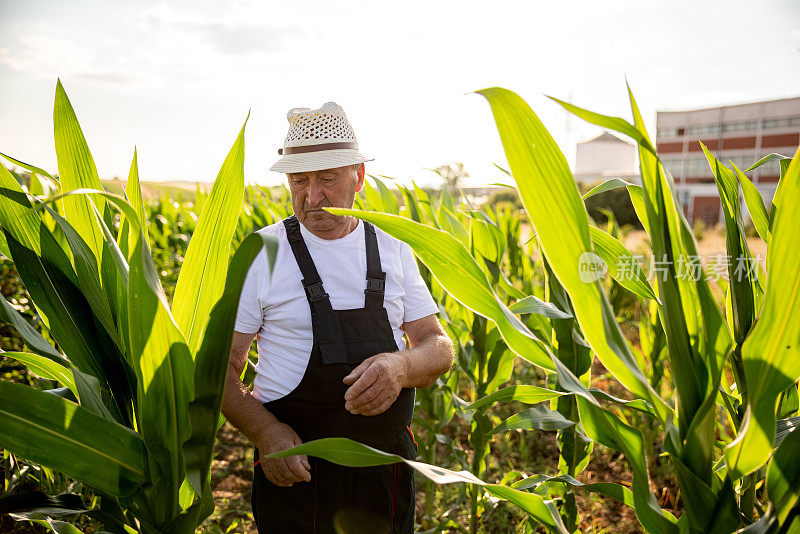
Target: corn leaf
{"x": 46, "y": 368}
{"x": 766, "y": 159}
{"x": 743, "y": 285}
{"x": 77, "y": 170}
{"x": 622, "y": 265}
{"x": 523, "y": 393}
{"x": 617, "y": 124}
{"x": 532, "y": 304}
{"x": 134, "y": 192}
{"x": 212, "y": 359}
{"x": 32, "y": 338}
{"x": 608, "y": 185}
{"x": 202, "y": 277}
{"x": 552, "y": 202}
{"x": 28, "y": 167}
{"x": 536, "y": 418}
{"x": 783, "y": 476}
{"x": 771, "y": 354}
{"x": 57, "y": 433}
{"x": 17, "y": 217}
{"x": 347, "y": 452}
{"x": 71, "y": 319}
{"x": 87, "y": 271}
{"x": 755, "y": 205}
{"x": 456, "y": 270}
{"x": 165, "y": 372}
{"x": 388, "y": 199}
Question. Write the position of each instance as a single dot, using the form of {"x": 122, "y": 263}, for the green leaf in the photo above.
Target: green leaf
{"x": 134, "y": 192}
{"x": 212, "y": 359}
{"x": 165, "y": 380}
{"x": 45, "y": 368}
{"x": 52, "y": 431}
{"x": 71, "y": 319}
{"x": 536, "y": 418}
{"x": 771, "y": 354}
{"x": 87, "y": 271}
{"x": 58, "y": 527}
{"x": 525, "y": 394}
{"x": 551, "y": 200}
{"x": 373, "y": 197}
{"x": 604, "y": 428}
{"x": 76, "y": 170}
{"x": 622, "y": 265}
{"x": 347, "y": 452}
{"x": 28, "y": 167}
{"x": 698, "y": 340}
{"x": 613, "y": 123}
{"x": 783, "y": 476}
{"x": 202, "y": 275}
{"x": 743, "y": 289}
{"x": 608, "y": 185}
{"x": 29, "y": 504}
{"x": 766, "y": 159}
{"x": 755, "y": 205}
{"x": 32, "y": 338}
{"x": 456, "y": 270}
{"x": 16, "y": 216}
{"x": 532, "y": 304}
{"x": 387, "y": 197}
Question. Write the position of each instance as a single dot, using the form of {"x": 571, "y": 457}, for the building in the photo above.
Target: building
{"x": 741, "y": 133}
{"x": 606, "y": 156}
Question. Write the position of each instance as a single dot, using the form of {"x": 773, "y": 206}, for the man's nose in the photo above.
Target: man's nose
{"x": 315, "y": 193}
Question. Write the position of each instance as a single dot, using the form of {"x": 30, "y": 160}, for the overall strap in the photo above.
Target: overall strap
{"x": 317, "y": 297}
{"x": 376, "y": 278}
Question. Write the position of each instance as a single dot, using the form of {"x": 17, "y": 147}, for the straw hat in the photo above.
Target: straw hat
{"x": 318, "y": 139}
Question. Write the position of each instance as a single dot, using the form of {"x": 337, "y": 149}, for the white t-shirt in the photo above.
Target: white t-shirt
{"x": 277, "y": 309}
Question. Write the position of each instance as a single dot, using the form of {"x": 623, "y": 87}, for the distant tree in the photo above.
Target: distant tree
{"x": 504, "y": 196}
{"x": 452, "y": 174}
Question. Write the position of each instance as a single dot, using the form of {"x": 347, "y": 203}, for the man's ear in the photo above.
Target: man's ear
{"x": 361, "y": 173}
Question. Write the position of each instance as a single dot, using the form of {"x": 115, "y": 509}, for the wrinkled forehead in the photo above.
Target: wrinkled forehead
{"x": 334, "y": 170}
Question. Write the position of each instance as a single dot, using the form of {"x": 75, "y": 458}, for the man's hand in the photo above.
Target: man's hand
{"x": 376, "y": 383}
{"x": 283, "y": 471}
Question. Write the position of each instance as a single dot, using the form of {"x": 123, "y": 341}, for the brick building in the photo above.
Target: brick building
{"x": 743, "y": 133}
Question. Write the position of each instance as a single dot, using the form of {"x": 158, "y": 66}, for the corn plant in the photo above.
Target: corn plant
{"x": 144, "y": 379}
{"x": 757, "y": 335}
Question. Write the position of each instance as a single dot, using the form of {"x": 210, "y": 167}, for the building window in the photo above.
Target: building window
{"x": 669, "y": 132}
{"x": 740, "y": 126}
{"x": 742, "y": 161}
{"x": 697, "y": 167}
{"x": 702, "y": 131}
{"x": 783, "y": 122}
{"x": 673, "y": 166}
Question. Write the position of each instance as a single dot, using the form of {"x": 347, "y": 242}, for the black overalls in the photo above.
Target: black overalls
{"x": 341, "y": 499}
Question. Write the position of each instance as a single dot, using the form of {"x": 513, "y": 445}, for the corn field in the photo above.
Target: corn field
{"x": 119, "y": 342}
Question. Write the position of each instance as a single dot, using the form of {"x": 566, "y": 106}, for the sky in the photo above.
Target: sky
{"x": 177, "y": 79}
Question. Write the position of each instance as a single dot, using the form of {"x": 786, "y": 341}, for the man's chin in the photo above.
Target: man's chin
{"x": 320, "y": 220}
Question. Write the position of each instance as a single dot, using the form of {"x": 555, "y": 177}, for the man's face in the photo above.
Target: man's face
{"x": 311, "y": 191}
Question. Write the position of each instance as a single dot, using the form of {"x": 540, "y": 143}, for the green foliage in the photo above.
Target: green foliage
{"x": 658, "y": 373}
{"x": 137, "y": 419}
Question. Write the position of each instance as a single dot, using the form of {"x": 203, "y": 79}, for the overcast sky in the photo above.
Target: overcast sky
{"x": 177, "y": 79}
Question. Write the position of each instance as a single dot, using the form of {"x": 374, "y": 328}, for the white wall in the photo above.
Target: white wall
{"x": 605, "y": 157}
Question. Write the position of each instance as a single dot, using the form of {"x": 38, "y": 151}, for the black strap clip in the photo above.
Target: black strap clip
{"x": 376, "y": 285}
{"x": 315, "y": 292}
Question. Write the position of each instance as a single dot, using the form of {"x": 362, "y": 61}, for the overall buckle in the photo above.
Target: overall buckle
{"x": 315, "y": 292}
{"x": 375, "y": 285}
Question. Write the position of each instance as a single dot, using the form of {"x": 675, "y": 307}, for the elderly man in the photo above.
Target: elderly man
{"x": 330, "y": 319}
